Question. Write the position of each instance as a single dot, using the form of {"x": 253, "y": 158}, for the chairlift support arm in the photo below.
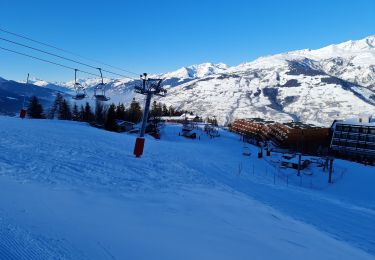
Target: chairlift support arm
{"x": 101, "y": 74}
{"x": 75, "y": 76}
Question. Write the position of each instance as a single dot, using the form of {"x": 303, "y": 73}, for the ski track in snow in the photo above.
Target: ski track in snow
{"x": 65, "y": 159}
{"x": 19, "y": 244}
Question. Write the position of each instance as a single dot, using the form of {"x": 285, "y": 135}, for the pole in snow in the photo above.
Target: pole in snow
{"x": 260, "y": 152}
{"x": 23, "y": 109}
{"x": 149, "y": 88}
{"x": 27, "y": 83}
{"x": 330, "y": 170}
{"x": 299, "y": 164}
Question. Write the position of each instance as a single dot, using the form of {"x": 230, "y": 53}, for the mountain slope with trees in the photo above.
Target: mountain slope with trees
{"x": 312, "y": 86}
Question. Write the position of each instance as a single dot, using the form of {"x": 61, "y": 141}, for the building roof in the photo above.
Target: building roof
{"x": 182, "y": 117}
{"x": 259, "y": 120}
{"x": 360, "y": 121}
{"x": 294, "y": 125}
{"x": 300, "y": 125}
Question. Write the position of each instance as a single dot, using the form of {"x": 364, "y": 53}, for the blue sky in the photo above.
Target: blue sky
{"x": 161, "y": 36}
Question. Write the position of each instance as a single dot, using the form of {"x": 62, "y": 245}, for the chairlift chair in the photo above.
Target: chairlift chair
{"x": 99, "y": 90}
{"x": 80, "y": 90}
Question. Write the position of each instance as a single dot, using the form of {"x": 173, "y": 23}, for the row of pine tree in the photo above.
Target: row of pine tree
{"x": 102, "y": 116}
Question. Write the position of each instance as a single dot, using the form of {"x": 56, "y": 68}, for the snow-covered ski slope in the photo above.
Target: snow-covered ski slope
{"x": 69, "y": 191}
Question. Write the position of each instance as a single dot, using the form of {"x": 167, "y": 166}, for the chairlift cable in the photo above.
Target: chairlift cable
{"x": 66, "y": 51}
{"x": 48, "y": 61}
{"x": 61, "y": 57}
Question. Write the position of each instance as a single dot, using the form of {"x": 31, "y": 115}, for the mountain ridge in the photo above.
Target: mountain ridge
{"x": 313, "y": 86}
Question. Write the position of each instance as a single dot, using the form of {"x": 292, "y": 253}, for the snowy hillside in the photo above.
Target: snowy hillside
{"x": 313, "y": 86}
{"x": 44, "y": 84}
{"x": 77, "y": 192}
{"x": 12, "y": 95}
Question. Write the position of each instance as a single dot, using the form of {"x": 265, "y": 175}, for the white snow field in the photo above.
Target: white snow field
{"x": 70, "y": 191}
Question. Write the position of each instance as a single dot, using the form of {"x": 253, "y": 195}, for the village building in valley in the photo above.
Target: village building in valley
{"x": 354, "y": 138}
{"x": 295, "y": 136}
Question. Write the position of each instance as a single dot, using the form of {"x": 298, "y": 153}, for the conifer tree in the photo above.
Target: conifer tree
{"x": 171, "y": 111}
{"x": 81, "y": 113}
{"x": 159, "y": 110}
{"x": 135, "y": 112}
{"x": 88, "y": 116}
{"x": 35, "y": 109}
{"x": 75, "y": 113}
{"x": 64, "y": 111}
{"x": 52, "y": 114}
{"x": 120, "y": 112}
{"x": 165, "y": 111}
{"x": 214, "y": 122}
{"x": 154, "y": 109}
{"x": 99, "y": 113}
{"x": 110, "y": 121}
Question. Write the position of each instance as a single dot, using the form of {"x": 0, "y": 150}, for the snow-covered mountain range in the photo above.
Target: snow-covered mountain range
{"x": 313, "y": 86}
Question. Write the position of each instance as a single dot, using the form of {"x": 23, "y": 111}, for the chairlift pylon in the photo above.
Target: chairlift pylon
{"x": 99, "y": 90}
{"x": 80, "y": 90}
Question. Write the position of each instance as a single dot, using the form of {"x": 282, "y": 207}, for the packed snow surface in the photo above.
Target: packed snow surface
{"x": 69, "y": 191}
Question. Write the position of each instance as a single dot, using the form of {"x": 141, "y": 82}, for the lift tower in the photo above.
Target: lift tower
{"x": 149, "y": 87}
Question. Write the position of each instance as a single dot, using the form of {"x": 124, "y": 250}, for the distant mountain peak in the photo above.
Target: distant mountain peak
{"x": 311, "y": 85}
{"x": 358, "y": 45}
{"x": 197, "y": 71}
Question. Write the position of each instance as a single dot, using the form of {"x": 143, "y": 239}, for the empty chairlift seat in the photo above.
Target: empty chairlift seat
{"x": 99, "y": 90}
